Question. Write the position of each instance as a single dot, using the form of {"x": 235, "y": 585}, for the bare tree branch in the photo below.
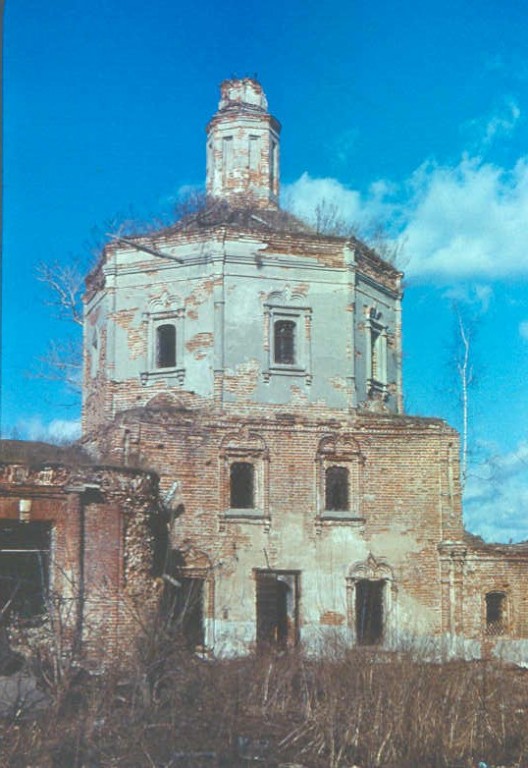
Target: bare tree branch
{"x": 64, "y": 282}
{"x": 465, "y": 372}
{"x": 61, "y": 362}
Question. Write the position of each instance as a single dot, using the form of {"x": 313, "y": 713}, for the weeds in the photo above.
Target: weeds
{"x": 357, "y": 709}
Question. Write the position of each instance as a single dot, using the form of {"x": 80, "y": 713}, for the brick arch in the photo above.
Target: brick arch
{"x": 166, "y": 400}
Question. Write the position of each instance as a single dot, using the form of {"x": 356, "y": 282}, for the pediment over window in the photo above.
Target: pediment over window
{"x": 242, "y": 442}
{"x": 339, "y": 445}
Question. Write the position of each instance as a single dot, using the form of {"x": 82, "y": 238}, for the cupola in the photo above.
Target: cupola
{"x": 243, "y": 147}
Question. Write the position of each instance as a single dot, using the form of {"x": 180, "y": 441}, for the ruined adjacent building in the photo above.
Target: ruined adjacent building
{"x": 254, "y": 364}
{"x": 78, "y": 547}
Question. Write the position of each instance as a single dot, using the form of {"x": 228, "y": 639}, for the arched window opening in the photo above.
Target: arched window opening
{"x": 284, "y": 342}
{"x": 165, "y": 346}
{"x": 242, "y": 483}
{"x": 336, "y": 489}
{"x": 495, "y": 613}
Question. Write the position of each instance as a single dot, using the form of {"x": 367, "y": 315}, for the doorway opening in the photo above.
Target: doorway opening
{"x": 369, "y": 611}
{"x": 182, "y": 608}
{"x": 277, "y": 595}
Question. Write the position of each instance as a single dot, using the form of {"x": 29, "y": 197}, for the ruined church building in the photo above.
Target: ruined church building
{"x": 255, "y": 366}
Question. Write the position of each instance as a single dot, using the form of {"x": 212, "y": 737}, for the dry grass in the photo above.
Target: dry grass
{"x": 356, "y": 709}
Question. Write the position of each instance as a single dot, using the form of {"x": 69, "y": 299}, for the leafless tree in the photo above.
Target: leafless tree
{"x": 62, "y": 360}
{"x": 464, "y": 336}
{"x": 327, "y": 219}
{"x": 64, "y": 283}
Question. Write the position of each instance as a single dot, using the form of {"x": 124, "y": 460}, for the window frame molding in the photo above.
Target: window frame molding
{"x": 154, "y": 319}
{"x": 248, "y": 448}
{"x": 339, "y": 451}
{"x": 285, "y": 306}
{"x": 376, "y": 385}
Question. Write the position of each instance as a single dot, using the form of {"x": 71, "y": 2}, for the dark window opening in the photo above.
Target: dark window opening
{"x": 182, "y": 608}
{"x": 242, "y": 482}
{"x": 165, "y": 346}
{"x": 495, "y": 613}
{"x": 336, "y": 489}
{"x": 284, "y": 342}
{"x": 369, "y": 612}
{"x": 277, "y": 610}
{"x": 24, "y": 569}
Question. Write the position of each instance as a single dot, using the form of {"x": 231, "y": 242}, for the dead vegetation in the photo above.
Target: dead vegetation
{"x": 355, "y": 709}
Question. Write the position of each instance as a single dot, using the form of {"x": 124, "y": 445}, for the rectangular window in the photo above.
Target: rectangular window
{"x": 336, "y": 489}
{"x": 242, "y": 485}
{"x": 284, "y": 342}
{"x": 24, "y": 568}
{"x": 165, "y": 346}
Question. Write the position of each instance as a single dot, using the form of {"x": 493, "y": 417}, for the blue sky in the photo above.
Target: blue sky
{"x": 412, "y": 114}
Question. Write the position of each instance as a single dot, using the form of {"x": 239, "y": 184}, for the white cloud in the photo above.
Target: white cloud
{"x": 57, "y": 431}
{"x": 467, "y": 221}
{"x": 496, "y": 497}
{"x": 306, "y": 194}
{"x": 462, "y": 221}
{"x": 499, "y": 126}
{"x": 523, "y": 330}
{"x": 478, "y": 296}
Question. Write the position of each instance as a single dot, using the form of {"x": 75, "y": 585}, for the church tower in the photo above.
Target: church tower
{"x": 243, "y": 147}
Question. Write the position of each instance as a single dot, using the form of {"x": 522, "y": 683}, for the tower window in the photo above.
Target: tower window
{"x": 336, "y": 489}
{"x": 253, "y": 152}
{"x": 284, "y": 342}
{"x": 227, "y": 154}
{"x": 242, "y": 483}
{"x": 273, "y": 165}
{"x": 375, "y": 351}
{"x": 165, "y": 346}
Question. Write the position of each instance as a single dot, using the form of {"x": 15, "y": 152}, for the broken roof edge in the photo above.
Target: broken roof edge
{"x": 38, "y": 455}
{"x": 477, "y": 543}
{"x": 217, "y": 215}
